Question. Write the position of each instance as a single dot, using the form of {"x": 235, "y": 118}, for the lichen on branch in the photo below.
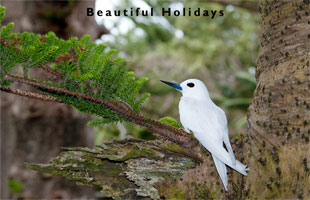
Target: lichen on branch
{"x": 119, "y": 169}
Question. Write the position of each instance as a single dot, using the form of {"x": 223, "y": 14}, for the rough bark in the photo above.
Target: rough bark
{"x": 279, "y": 115}
{"x": 34, "y": 131}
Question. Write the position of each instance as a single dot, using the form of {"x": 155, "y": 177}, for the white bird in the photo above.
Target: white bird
{"x": 208, "y": 122}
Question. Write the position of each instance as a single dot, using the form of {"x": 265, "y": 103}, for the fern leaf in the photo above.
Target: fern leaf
{"x": 85, "y": 67}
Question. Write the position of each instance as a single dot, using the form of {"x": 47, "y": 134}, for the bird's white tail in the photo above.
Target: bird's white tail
{"x": 239, "y": 167}
{"x": 221, "y": 154}
{"x": 222, "y": 171}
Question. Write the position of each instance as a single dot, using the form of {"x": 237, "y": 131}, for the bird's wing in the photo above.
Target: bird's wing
{"x": 218, "y": 151}
{"x": 198, "y": 117}
{"x": 229, "y": 148}
{"x": 226, "y": 137}
{"x": 209, "y": 125}
{"x": 222, "y": 118}
{"x": 221, "y": 169}
{"x": 214, "y": 147}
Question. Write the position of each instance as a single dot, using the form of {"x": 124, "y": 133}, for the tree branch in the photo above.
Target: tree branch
{"x": 23, "y": 93}
{"x": 125, "y": 169}
{"x": 170, "y": 133}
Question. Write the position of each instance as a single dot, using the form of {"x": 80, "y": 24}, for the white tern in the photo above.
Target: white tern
{"x": 208, "y": 122}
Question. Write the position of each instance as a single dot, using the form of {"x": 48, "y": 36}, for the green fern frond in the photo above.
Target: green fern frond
{"x": 142, "y": 99}
{"x": 85, "y": 67}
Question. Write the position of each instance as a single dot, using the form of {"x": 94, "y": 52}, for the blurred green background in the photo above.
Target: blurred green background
{"x": 221, "y": 52}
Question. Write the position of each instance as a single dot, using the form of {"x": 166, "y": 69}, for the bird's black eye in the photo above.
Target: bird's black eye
{"x": 190, "y": 84}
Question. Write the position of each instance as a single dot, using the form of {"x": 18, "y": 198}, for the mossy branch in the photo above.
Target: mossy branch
{"x": 120, "y": 169}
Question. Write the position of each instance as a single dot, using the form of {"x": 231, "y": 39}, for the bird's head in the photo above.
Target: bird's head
{"x": 193, "y": 88}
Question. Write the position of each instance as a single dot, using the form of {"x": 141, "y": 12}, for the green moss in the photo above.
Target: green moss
{"x": 174, "y": 148}
{"x": 129, "y": 151}
{"x": 177, "y": 194}
{"x": 202, "y": 193}
{"x": 240, "y": 136}
{"x": 171, "y": 121}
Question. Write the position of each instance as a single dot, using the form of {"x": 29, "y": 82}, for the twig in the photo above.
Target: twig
{"x": 30, "y": 94}
{"x": 57, "y": 74}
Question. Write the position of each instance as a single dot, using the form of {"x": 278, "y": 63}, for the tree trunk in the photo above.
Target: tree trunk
{"x": 35, "y": 131}
{"x": 279, "y": 116}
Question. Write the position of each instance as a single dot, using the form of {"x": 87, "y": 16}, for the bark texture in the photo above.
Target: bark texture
{"x": 279, "y": 115}
{"x": 124, "y": 169}
{"x": 35, "y": 131}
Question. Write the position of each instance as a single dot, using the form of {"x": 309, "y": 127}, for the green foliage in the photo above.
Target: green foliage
{"x": 100, "y": 121}
{"x": 239, "y": 136}
{"x": 79, "y": 66}
{"x": 171, "y": 121}
{"x": 2, "y": 13}
{"x": 16, "y": 187}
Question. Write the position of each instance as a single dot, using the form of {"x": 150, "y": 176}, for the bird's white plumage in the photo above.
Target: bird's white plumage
{"x": 221, "y": 168}
{"x": 208, "y": 122}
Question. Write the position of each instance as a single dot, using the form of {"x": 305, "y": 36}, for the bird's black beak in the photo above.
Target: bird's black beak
{"x": 175, "y": 85}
